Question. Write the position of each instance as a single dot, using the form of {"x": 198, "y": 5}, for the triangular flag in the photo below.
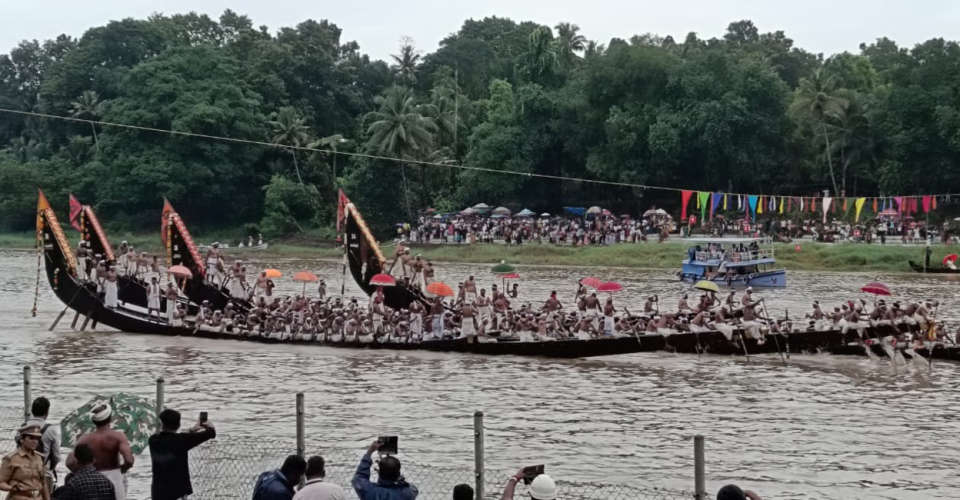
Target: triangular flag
{"x": 752, "y": 202}
{"x": 714, "y": 203}
{"x": 899, "y": 200}
{"x": 844, "y": 205}
{"x": 934, "y": 203}
{"x": 684, "y": 201}
{"x": 781, "y": 204}
{"x": 827, "y": 200}
{"x": 759, "y": 205}
{"x": 75, "y": 209}
{"x": 859, "y": 206}
{"x": 875, "y": 206}
{"x": 926, "y": 204}
{"x": 724, "y": 201}
{"x": 739, "y": 202}
{"x": 801, "y": 204}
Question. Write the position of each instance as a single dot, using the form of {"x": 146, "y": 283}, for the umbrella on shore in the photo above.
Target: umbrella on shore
{"x": 440, "y": 289}
{"x": 707, "y": 286}
{"x": 133, "y": 415}
{"x": 594, "y": 210}
{"x": 545, "y": 214}
{"x": 504, "y": 211}
{"x": 526, "y": 212}
{"x": 508, "y": 276}
{"x": 481, "y": 208}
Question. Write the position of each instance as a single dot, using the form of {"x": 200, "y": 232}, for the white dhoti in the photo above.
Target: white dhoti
{"x": 608, "y": 325}
{"x": 365, "y": 338}
{"x": 110, "y": 293}
{"x": 119, "y": 485}
{"x": 752, "y": 328}
{"x": 726, "y": 330}
{"x": 666, "y": 331}
{"x": 377, "y": 322}
{"x": 236, "y": 289}
{"x": 153, "y": 302}
{"x": 468, "y": 328}
{"x": 416, "y": 325}
{"x": 171, "y": 310}
{"x": 469, "y": 297}
{"x": 698, "y": 328}
{"x": 582, "y": 335}
{"x": 437, "y": 327}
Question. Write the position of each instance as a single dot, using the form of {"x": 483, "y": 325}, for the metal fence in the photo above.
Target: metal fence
{"x": 227, "y": 467}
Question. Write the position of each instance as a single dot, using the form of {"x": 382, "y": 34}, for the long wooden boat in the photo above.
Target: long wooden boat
{"x": 65, "y": 280}
{"x": 179, "y": 249}
{"x": 935, "y": 270}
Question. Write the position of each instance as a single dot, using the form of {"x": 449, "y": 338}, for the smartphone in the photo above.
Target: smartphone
{"x": 388, "y": 444}
{"x": 203, "y": 417}
{"x": 531, "y": 472}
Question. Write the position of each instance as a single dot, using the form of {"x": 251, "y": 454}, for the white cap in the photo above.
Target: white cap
{"x": 543, "y": 488}
{"x": 101, "y": 413}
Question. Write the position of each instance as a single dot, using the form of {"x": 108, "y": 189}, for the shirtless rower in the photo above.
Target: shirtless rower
{"x": 683, "y": 306}
{"x": 436, "y": 311}
{"x": 552, "y": 305}
{"x": 500, "y": 307}
{"x": 469, "y": 291}
{"x": 377, "y": 310}
{"x": 171, "y": 295}
{"x": 648, "y": 306}
{"x": 593, "y": 309}
{"x": 428, "y": 272}
{"x": 416, "y": 319}
{"x": 109, "y": 447}
{"x": 484, "y": 310}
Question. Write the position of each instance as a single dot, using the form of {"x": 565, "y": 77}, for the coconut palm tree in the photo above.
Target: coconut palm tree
{"x": 406, "y": 61}
{"x": 569, "y": 43}
{"x": 88, "y": 107}
{"x": 816, "y": 100}
{"x": 541, "y": 53}
{"x": 331, "y": 142}
{"x": 290, "y": 129}
{"x": 399, "y": 129}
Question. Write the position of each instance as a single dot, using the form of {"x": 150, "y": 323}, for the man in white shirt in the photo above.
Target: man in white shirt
{"x": 316, "y": 488}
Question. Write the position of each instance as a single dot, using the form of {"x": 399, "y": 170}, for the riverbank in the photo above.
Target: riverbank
{"x": 811, "y": 256}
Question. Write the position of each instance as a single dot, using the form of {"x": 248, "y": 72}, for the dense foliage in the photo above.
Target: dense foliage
{"x": 748, "y": 112}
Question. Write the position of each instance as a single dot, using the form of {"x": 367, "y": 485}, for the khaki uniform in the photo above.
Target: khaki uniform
{"x": 24, "y": 470}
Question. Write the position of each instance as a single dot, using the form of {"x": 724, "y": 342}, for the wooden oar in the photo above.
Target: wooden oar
{"x": 775, "y": 340}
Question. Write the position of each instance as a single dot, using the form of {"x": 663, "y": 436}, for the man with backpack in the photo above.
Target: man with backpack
{"x": 49, "y": 445}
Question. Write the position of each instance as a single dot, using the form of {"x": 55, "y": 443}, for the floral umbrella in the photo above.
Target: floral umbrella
{"x": 591, "y": 282}
{"x": 133, "y": 415}
{"x": 440, "y": 289}
{"x": 502, "y": 268}
{"x": 876, "y": 288}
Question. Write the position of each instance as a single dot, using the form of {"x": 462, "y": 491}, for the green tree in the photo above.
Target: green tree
{"x": 569, "y": 44}
{"x": 816, "y": 102}
{"x": 290, "y": 129}
{"x": 88, "y": 107}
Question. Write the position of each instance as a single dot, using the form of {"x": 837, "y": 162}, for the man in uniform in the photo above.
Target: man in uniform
{"x": 22, "y": 472}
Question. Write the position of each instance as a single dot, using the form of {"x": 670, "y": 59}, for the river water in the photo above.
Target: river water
{"x": 818, "y": 427}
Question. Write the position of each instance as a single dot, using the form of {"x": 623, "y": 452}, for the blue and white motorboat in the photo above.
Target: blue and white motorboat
{"x": 733, "y": 262}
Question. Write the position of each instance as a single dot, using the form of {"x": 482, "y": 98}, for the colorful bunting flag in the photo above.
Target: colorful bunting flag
{"x": 684, "y": 200}
{"x": 826, "y": 207}
{"x": 859, "y": 206}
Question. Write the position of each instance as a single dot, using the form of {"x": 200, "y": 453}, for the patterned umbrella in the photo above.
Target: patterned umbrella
{"x": 707, "y": 286}
{"x": 305, "y": 276}
{"x": 133, "y": 415}
{"x": 382, "y": 279}
{"x": 950, "y": 258}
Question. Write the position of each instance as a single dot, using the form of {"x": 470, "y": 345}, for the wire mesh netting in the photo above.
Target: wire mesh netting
{"x": 11, "y": 418}
{"x": 226, "y": 468}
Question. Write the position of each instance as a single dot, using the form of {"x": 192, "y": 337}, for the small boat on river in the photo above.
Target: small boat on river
{"x": 733, "y": 262}
{"x": 918, "y": 268}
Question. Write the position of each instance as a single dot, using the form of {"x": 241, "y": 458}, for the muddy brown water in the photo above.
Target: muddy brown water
{"x": 820, "y": 426}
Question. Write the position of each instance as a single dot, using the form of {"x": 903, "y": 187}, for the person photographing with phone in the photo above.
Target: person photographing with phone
{"x": 168, "y": 454}
{"x": 390, "y": 484}
{"x": 540, "y": 485}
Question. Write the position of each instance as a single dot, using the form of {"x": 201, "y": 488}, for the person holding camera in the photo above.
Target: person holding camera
{"x": 541, "y": 486}
{"x": 389, "y": 486}
{"x": 278, "y": 484}
{"x": 168, "y": 455}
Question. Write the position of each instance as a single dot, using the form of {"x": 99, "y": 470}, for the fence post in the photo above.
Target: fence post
{"x": 478, "y": 454}
{"x": 27, "y": 398}
{"x": 160, "y": 395}
{"x": 301, "y": 441}
{"x": 699, "y": 478}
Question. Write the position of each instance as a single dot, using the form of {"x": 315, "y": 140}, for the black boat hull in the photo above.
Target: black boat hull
{"x": 933, "y": 270}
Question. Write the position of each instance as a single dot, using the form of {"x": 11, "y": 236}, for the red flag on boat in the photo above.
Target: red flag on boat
{"x": 342, "y": 202}
{"x": 75, "y": 209}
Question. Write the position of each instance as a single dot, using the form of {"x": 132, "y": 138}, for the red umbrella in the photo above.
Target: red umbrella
{"x": 610, "y": 287}
{"x": 591, "y": 282}
{"x": 950, "y": 258}
{"x": 305, "y": 276}
{"x": 510, "y": 276}
{"x": 180, "y": 271}
{"x": 440, "y": 289}
{"x": 383, "y": 280}
{"x": 876, "y": 288}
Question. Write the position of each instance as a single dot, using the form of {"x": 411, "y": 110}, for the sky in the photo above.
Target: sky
{"x": 378, "y": 26}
